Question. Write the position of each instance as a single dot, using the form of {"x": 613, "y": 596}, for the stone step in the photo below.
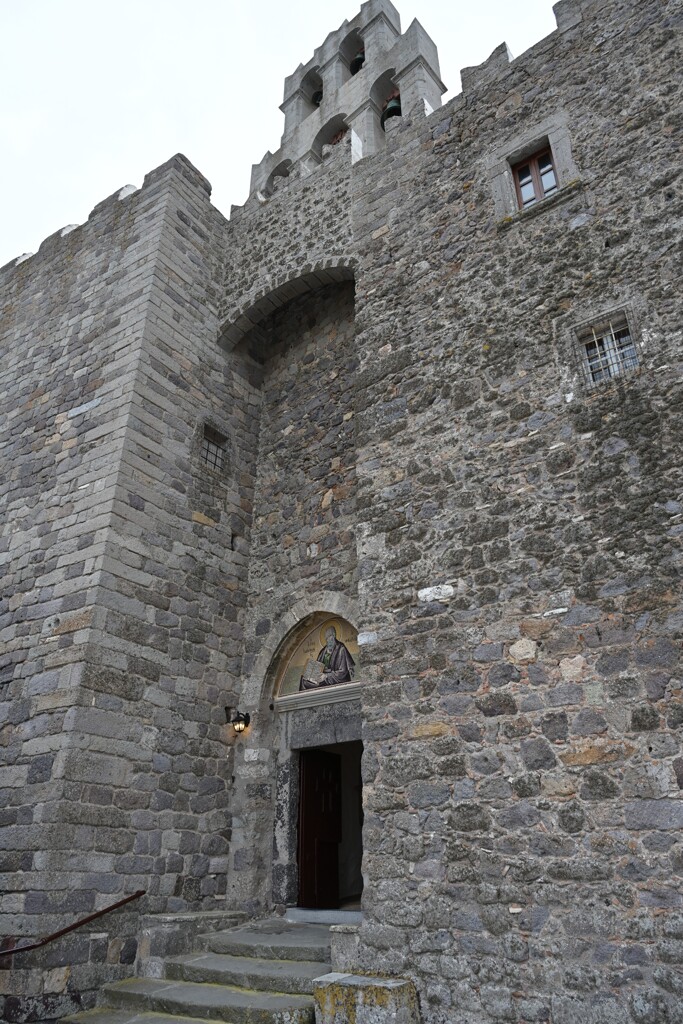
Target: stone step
{"x": 105, "y": 1015}
{"x": 294, "y": 976}
{"x": 163, "y": 935}
{"x": 217, "y": 1002}
{"x": 273, "y": 939}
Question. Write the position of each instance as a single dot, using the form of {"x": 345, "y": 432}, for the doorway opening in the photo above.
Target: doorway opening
{"x": 330, "y": 827}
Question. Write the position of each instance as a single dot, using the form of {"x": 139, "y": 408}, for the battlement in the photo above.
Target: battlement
{"x": 363, "y": 74}
{"x": 103, "y": 218}
{"x": 344, "y": 89}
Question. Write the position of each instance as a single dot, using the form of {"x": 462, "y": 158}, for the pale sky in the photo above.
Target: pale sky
{"x": 96, "y": 94}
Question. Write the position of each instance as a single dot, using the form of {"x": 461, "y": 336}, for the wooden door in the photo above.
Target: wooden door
{"x": 319, "y": 829}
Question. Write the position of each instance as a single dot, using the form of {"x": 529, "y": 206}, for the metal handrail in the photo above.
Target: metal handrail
{"x": 72, "y": 927}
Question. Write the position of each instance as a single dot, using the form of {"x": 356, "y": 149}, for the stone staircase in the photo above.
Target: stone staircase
{"x": 260, "y": 973}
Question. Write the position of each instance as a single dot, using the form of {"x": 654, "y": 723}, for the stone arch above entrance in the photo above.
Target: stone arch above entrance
{"x": 319, "y": 653}
{"x": 276, "y": 292}
{"x": 259, "y": 685}
{"x": 316, "y": 736}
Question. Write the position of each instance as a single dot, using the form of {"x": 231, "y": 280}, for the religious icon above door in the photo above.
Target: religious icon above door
{"x": 325, "y": 656}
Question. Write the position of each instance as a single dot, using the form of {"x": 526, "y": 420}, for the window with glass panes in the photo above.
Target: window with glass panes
{"x": 609, "y": 350}
{"x": 535, "y": 178}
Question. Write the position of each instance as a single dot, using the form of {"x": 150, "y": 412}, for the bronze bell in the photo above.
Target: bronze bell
{"x": 317, "y": 98}
{"x": 357, "y": 62}
{"x": 392, "y": 109}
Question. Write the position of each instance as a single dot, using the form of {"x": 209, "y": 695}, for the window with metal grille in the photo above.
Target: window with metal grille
{"x": 535, "y": 178}
{"x": 609, "y": 350}
{"x": 213, "y": 448}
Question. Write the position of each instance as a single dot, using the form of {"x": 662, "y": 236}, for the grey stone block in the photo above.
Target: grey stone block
{"x": 340, "y": 997}
{"x": 653, "y": 814}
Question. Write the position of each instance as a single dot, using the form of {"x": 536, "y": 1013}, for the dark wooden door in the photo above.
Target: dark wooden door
{"x": 319, "y": 829}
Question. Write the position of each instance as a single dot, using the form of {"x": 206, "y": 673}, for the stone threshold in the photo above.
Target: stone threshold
{"x": 301, "y": 915}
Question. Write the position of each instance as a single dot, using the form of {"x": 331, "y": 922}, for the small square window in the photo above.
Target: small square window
{"x": 530, "y": 166}
{"x": 213, "y": 448}
{"x": 535, "y": 178}
{"x": 608, "y": 349}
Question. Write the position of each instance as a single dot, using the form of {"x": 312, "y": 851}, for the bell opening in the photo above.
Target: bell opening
{"x": 312, "y": 89}
{"x": 357, "y": 62}
{"x": 392, "y": 108}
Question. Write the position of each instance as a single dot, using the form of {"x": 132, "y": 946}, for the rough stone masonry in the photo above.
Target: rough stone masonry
{"x": 452, "y": 421}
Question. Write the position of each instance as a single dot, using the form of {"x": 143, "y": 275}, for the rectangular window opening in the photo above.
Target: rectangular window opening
{"x": 213, "y": 449}
{"x": 609, "y": 350}
{"x": 535, "y": 178}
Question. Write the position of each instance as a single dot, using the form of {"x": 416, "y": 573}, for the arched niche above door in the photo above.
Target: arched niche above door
{"x": 317, "y": 663}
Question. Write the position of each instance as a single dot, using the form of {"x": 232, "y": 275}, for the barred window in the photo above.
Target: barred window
{"x": 609, "y": 350}
{"x": 213, "y": 448}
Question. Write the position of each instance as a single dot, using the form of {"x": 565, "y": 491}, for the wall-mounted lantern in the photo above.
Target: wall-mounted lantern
{"x": 239, "y": 721}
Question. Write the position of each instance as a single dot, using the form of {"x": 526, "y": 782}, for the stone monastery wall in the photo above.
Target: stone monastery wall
{"x": 425, "y": 456}
{"x": 522, "y": 736}
{"x": 120, "y": 611}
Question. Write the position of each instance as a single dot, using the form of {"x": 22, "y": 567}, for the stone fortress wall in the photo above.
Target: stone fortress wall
{"x": 504, "y": 535}
{"x": 523, "y": 749}
{"x": 120, "y": 616}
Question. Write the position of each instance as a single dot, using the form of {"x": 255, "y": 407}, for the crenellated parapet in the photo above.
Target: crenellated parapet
{"x": 363, "y": 74}
{"x": 105, "y": 219}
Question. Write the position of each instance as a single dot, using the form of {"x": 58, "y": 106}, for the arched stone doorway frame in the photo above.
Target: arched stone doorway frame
{"x": 259, "y": 686}
{"x": 269, "y": 847}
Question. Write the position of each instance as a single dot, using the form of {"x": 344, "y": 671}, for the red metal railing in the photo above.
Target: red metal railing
{"x": 72, "y": 927}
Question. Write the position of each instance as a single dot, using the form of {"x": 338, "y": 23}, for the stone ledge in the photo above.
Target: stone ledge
{"x": 163, "y": 935}
{"x": 568, "y": 191}
{"x": 325, "y": 695}
{"x": 344, "y": 947}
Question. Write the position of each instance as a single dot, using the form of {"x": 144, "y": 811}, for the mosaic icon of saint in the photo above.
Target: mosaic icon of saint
{"x": 333, "y": 665}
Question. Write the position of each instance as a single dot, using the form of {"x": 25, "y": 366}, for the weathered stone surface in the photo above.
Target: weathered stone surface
{"x": 420, "y": 451}
{"x": 442, "y": 592}
{"x": 598, "y": 785}
{"x": 572, "y": 817}
{"x": 597, "y": 753}
{"x": 555, "y": 726}
{"x": 524, "y": 650}
{"x": 644, "y": 718}
{"x": 537, "y": 753}
{"x": 654, "y": 814}
{"x": 343, "y": 997}
{"x": 494, "y": 704}
{"x": 588, "y": 722}
{"x": 470, "y": 817}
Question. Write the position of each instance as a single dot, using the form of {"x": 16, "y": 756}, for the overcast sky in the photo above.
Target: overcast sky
{"x": 96, "y": 94}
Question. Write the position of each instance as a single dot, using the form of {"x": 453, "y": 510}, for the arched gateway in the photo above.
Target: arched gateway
{"x": 317, "y": 848}
{"x": 298, "y": 826}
